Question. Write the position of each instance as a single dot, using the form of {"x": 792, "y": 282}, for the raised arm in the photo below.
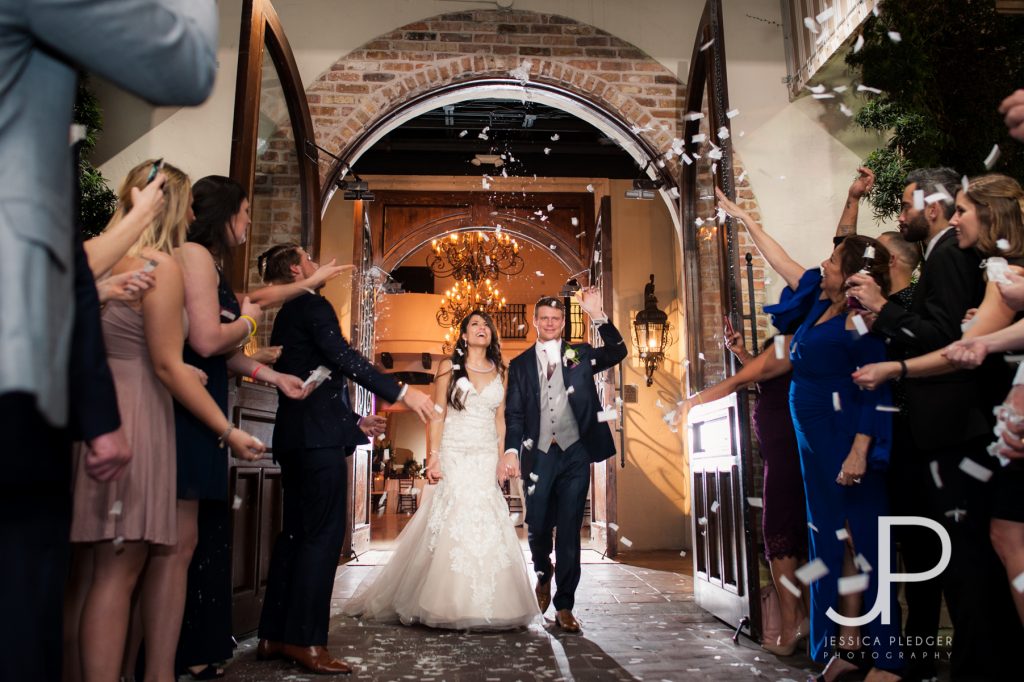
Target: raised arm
{"x": 274, "y": 295}
{"x": 777, "y": 258}
{"x": 165, "y": 51}
{"x": 858, "y": 188}
{"x": 106, "y": 249}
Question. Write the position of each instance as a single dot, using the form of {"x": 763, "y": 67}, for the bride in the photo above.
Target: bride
{"x": 458, "y": 563}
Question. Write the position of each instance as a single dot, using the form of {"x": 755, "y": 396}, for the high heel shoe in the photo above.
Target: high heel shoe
{"x": 803, "y": 631}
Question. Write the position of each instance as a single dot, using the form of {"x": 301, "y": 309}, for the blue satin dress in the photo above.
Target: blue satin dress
{"x": 824, "y": 356}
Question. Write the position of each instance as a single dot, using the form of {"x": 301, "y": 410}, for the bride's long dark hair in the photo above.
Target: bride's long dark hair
{"x": 456, "y": 397}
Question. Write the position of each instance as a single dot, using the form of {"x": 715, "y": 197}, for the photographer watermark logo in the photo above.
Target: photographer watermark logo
{"x": 885, "y": 578}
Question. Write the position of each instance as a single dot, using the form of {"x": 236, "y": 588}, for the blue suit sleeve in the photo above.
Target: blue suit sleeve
{"x": 327, "y": 337}
{"x": 794, "y": 305}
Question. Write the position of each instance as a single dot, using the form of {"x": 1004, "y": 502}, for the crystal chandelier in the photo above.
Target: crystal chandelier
{"x": 462, "y": 298}
{"x": 475, "y": 255}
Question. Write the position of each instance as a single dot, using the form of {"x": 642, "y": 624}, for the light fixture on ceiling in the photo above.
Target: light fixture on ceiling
{"x": 355, "y": 189}
{"x": 490, "y": 159}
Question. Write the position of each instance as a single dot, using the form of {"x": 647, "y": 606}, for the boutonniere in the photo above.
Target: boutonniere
{"x": 571, "y": 357}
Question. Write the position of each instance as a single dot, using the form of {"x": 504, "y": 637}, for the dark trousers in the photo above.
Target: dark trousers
{"x": 910, "y": 483}
{"x": 206, "y": 625}
{"x": 35, "y": 527}
{"x": 986, "y": 628}
{"x": 297, "y": 605}
{"x": 558, "y": 501}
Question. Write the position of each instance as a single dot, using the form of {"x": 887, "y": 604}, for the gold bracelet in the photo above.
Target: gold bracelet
{"x": 252, "y": 321}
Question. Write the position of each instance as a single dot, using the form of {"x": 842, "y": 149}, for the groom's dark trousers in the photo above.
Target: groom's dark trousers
{"x": 559, "y": 499}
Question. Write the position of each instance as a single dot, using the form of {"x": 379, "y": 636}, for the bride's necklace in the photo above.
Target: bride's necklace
{"x": 489, "y": 369}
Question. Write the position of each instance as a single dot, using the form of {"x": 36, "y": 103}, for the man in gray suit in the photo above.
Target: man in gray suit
{"x": 164, "y": 51}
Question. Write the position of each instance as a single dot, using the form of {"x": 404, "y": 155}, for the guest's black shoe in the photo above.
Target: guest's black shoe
{"x": 268, "y": 649}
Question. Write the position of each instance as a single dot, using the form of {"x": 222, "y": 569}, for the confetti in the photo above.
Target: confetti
{"x": 853, "y": 584}
{"x": 887, "y": 408}
{"x": 606, "y": 415}
{"x": 811, "y": 25}
{"x": 569, "y": 391}
{"x": 755, "y": 502}
{"x": 723, "y": 133}
{"x": 918, "y": 199}
{"x": 554, "y": 138}
{"x": 858, "y": 44}
{"x": 463, "y": 133}
{"x": 531, "y": 489}
{"x": 534, "y": 477}
{"x": 867, "y": 88}
{"x": 992, "y": 157}
{"x": 780, "y": 347}
{"x": 847, "y": 111}
{"x": 825, "y": 15}
{"x": 732, "y": 113}
{"x": 438, "y": 409}
{"x": 590, "y": 188}
{"x": 714, "y": 507}
{"x": 698, "y": 138}
{"x": 522, "y": 72}
{"x": 842, "y": 534}
{"x": 693, "y": 116}
{"x": 812, "y": 526}
{"x": 547, "y": 150}
{"x": 861, "y": 562}
{"x": 118, "y": 543}
{"x": 934, "y": 197}
{"x": 707, "y": 45}
{"x": 539, "y": 273}
{"x": 824, "y": 95}
{"x": 816, "y": 89}
{"x": 790, "y": 587}
{"x": 895, "y": 36}
{"x": 956, "y": 514}
{"x": 975, "y": 470}
{"x": 674, "y": 192}
{"x": 116, "y": 508}
{"x": 933, "y": 466}
{"x": 236, "y": 504}
{"x": 836, "y": 404}
{"x": 551, "y": 207}
{"x": 528, "y": 444}
{"x": 811, "y": 571}
{"x": 965, "y": 183}
{"x": 860, "y": 325}
{"x": 626, "y": 541}
{"x": 682, "y": 553}
{"x": 1018, "y": 583}
{"x": 702, "y": 521}
{"x": 552, "y": 247}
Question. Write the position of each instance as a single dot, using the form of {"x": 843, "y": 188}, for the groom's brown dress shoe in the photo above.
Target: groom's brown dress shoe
{"x": 268, "y": 649}
{"x": 315, "y": 659}
{"x": 543, "y": 592}
{"x": 565, "y": 620}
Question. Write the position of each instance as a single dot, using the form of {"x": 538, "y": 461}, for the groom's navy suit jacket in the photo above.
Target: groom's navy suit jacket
{"x": 522, "y": 400}
{"x": 308, "y": 329}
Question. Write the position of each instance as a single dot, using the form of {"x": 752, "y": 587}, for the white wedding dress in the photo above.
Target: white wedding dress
{"x": 458, "y": 563}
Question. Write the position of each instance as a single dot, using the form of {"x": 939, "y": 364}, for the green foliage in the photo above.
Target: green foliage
{"x": 97, "y": 201}
{"x": 941, "y": 83}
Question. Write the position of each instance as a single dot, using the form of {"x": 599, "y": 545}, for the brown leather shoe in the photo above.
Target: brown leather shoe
{"x": 543, "y": 592}
{"x": 315, "y": 659}
{"x": 565, "y": 620}
{"x": 268, "y": 649}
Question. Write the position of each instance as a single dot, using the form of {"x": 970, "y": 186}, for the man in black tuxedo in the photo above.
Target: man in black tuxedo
{"x": 312, "y": 438}
{"x": 551, "y": 416}
{"x": 948, "y": 418}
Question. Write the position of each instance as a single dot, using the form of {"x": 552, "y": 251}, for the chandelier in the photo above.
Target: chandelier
{"x": 461, "y": 299}
{"x": 475, "y": 255}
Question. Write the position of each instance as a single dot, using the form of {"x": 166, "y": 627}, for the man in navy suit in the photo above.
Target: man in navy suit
{"x": 551, "y": 414}
{"x": 312, "y": 438}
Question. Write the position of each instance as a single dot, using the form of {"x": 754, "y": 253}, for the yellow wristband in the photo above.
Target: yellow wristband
{"x": 250, "y": 320}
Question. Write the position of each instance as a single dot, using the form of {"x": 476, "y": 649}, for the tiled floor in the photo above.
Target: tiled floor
{"x": 639, "y": 622}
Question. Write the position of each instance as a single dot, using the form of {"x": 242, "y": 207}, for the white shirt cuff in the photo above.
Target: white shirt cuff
{"x": 401, "y": 394}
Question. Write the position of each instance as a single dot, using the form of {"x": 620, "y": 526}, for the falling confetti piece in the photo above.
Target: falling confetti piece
{"x": 842, "y": 534}
{"x": 702, "y": 521}
{"x": 956, "y": 514}
{"x": 790, "y": 587}
{"x": 682, "y": 553}
{"x": 463, "y": 133}
{"x": 811, "y": 25}
{"x": 992, "y": 157}
{"x": 547, "y": 150}
{"x": 626, "y": 541}
{"x": 824, "y": 95}
{"x": 895, "y": 36}
{"x": 918, "y": 199}
{"x": 836, "y": 404}
{"x": 755, "y": 502}
{"x": 861, "y": 562}
{"x": 1018, "y": 583}
{"x": 816, "y": 89}
{"x": 529, "y": 491}
{"x": 859, "y": 44}
{"x": 116, "y": 508}
{"x": 723, "y": 133}
{"x": 707, "y": 45}
{"x": 933, "y": 466}
{"x": 698, "y": 138}
{"x": 528, "y": 443}
{"x": 825, "y": 15}
{"x": 539, "y": 273}
{"x": 780, "y": 347}
{"x": 853, "y": 584}
{"x": 812, "y": 526}
{"x": 965, "y": 183}
{"x": 867, "y": 88}
{"x": 118, "y": 542}
{"x": 714, "y": 507}
{"x": 693, "y": 116}
{"x": 551, "y": 207}
{"x": 570, "y": 391}
{"x": 860, "y": 325}
{"x": 534, "y": 477}
{"x": 732, "y": 113}
{"x": 887, "y": 408}
{"x": 554, "y": 138}
{"x": 552, "y": 247}
{"x": 590, "y": 188}
{"x": 975, "y": 470}
{"x": 1003, "y": 244}
{"x": 236, "y": 503}
{"x": 606, "y": 415}
{"x": 811, "y": 571}
{"x": 438, "y": 409}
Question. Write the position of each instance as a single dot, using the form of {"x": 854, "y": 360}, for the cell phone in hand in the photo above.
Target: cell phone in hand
{"x": 157, "y": 165}
{"x": 729, "y": 331}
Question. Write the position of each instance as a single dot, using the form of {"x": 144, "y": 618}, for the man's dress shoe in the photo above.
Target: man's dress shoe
{"x": 543, "y": 592}
{"x": 567, "y": 621}
{"x": 315, "y": 659}
{"x": 268, "y": 649}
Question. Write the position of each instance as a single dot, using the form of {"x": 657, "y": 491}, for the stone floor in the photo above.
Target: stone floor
{"x": 639, "y": 622}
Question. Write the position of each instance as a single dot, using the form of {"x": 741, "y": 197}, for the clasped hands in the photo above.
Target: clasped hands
{"x": 508, "y": 467}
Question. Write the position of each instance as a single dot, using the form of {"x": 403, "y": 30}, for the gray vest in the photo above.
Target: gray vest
{"x": 556, "y": 418}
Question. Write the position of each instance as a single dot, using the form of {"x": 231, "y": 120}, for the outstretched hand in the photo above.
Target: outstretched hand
{"x": 327, "y": 272}
{"x": 863, "y": 184}
{"x": 420, "y": 403}
{"x": 874, "y": 375}
{"x": 729, "y": 206}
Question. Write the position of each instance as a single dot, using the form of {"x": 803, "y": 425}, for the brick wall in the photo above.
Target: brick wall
{"x": 367, "y": 83}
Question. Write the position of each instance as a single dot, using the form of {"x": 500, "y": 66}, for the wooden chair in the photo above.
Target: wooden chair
{"x": 406, "y": 496}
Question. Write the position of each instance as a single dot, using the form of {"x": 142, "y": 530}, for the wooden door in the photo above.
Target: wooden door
{"x": 603, "y": 511}
{"x": 726, "y": 571}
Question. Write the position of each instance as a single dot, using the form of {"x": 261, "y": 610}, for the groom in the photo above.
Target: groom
{"x": 551, "y": 411}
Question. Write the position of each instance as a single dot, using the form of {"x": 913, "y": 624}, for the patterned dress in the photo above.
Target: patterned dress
{"x": 458, "y": 564}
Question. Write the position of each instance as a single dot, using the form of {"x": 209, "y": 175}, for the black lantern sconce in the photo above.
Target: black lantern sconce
{"x": 651, "y": 332}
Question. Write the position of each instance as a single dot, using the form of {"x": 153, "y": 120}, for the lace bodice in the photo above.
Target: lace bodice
{"x": 469, "y": 441}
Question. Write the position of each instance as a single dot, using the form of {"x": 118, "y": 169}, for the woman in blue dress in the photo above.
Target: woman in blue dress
{"x": 844, "y": 436}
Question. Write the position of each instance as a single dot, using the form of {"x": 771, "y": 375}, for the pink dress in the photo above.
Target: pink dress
{"x": 141, "y": 504}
